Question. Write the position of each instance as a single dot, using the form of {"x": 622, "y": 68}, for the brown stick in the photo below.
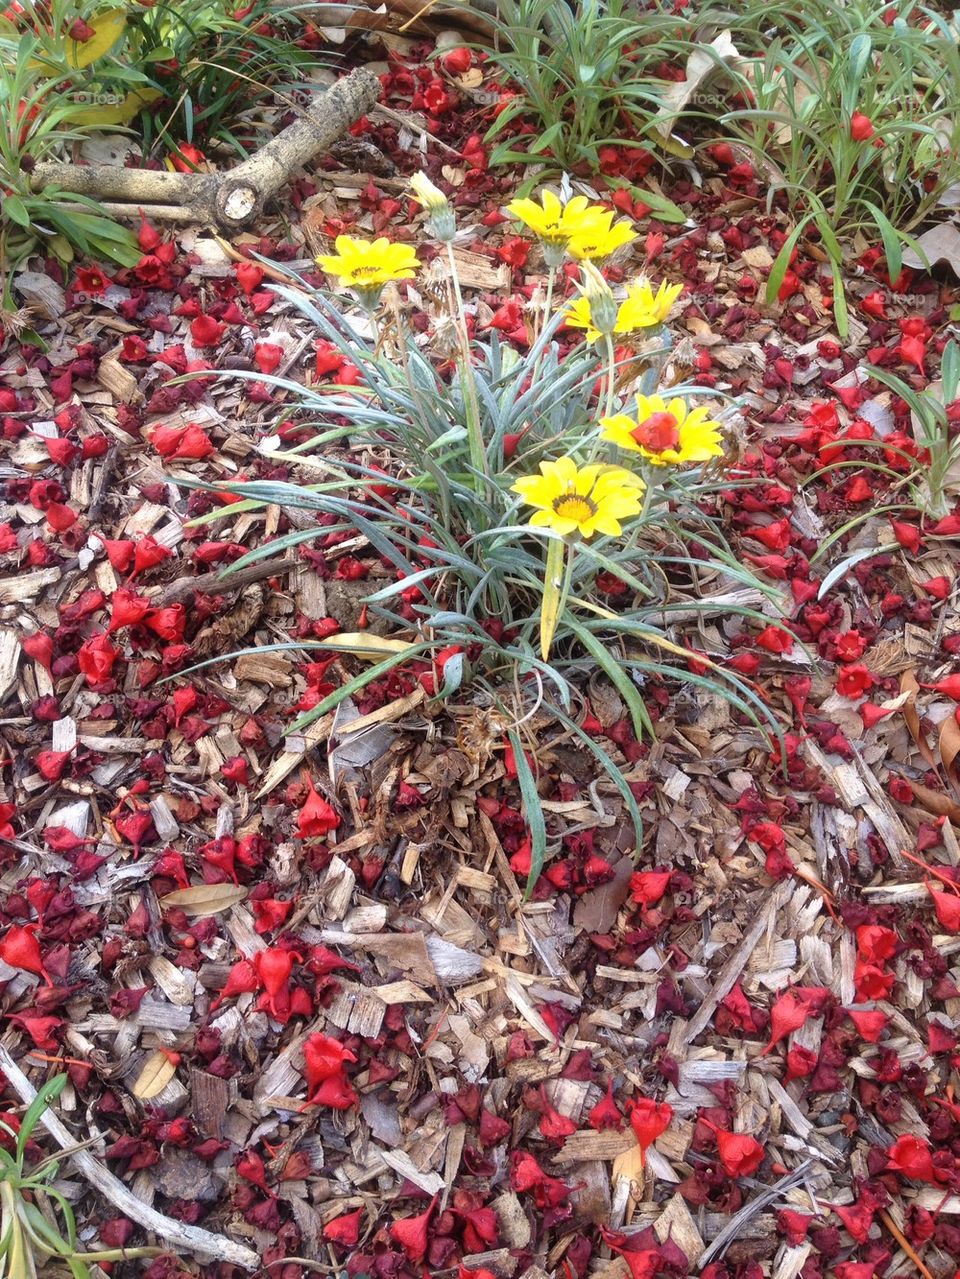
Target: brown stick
{"x": 188, "y": 1238}
{"x": 235, "y": 197}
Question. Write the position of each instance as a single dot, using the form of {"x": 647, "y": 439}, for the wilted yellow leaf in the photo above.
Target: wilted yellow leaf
{"x": 365, "y": 645}
{"x": 157, "y": 1072}
{"x": 204, "y": 899}
{"x": 108, "y": 27}
{"x": 116, "y": 112}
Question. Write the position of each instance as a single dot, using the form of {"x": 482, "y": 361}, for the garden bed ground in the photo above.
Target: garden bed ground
{"x": 486, "y": 1029}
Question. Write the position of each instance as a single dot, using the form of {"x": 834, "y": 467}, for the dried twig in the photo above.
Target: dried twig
{"x": 180, "y": 1236}
{"x": 232, "y": 198}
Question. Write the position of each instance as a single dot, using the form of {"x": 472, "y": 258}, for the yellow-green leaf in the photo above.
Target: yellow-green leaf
{"x": 108, "y": 27}
{"x": 552, "y": 594}
{"x": 204, "y": 899}
{"x": 157, "y": 1072}
{"x": 364, "y": 644}
{"x": 117, "y": 112}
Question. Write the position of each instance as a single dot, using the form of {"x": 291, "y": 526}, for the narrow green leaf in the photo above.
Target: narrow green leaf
{"x": 532, "y": 810}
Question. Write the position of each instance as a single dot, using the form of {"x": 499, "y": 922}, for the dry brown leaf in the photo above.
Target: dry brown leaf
{"x": 157, "y": 1072}
{"x": 949, "y": 743}
{"x": 908, "y": 684}
{"x": 939, "y": 244}
{"x": 204, "y": 899}
{"x": 936, "y": 802}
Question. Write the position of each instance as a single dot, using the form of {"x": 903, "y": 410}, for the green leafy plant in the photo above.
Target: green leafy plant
{"x": 211, "y": 63}
{"x": 37, "y": 1225}
{"x": 40, "y": 116}
{"x": 853, "y": 119}
{"x": 426, "y": 467}
{"x": 583, "y": 78}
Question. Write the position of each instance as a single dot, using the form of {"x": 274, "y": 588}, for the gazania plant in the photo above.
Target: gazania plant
{"x": 544, "y": 515}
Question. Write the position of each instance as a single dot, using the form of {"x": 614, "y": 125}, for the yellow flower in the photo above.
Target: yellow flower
{"x": 584, "y": 500}
{"x": 556, "y": 223}
{"x": 644, "y": 309}
{"x": 601, "y": 239}
{"x": 666, "y": 434}
{"x": 367, "y": 265}
{"x": 641, "y": 309}
{"x": 426, "y": 192}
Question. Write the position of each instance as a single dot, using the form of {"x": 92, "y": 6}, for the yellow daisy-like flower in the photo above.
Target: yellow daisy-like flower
{"x": 641, "y": 309}
{"x": 584, "y": 500}
{"x": 555, "y": 223}
{"x": 367, "y": 265}
{"x": 644, "y": 309}
{"x": 666, "y": 434}
{"x": 601, "y": 239}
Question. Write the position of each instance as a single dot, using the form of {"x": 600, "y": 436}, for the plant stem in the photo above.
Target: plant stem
{"x": 611, "y": 373}
{"x": 471, "y": 402}
{"x": 548, "y": 303}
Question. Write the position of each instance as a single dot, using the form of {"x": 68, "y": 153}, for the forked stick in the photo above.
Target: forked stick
{"x": 235, "y": 197}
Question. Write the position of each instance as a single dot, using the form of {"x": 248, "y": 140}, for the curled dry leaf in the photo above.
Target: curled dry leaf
{"x": 204, "y": 899}
{"x": 157, "y": 1072}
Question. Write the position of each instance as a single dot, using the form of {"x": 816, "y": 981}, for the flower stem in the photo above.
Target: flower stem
{"x": 611, "y": 373}
{"x": 548, "y": 302}
{"x": 471, "y": 401}
{"x": 556, "y": 589}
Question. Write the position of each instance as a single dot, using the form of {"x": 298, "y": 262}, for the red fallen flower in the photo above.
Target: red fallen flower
{"x": 801, "y": 1062}
{"x": 787, "y": 1014}
{"x": 324, "y": 1058}
{"x": 854, "y": 680}
{"x": 911, "y": 1157}
{"x": 185, "y": 442}
{"x": 50, "y": 764}
{"x": 950, "y": 687}
{"x": 40, "y": 1029}
{"x": 739, "y": 1153}
{"x": 169, "y": 623}
{"x": 148, "y": 553}
{"x": 908, "y": 535}
{"x": 949, "y": 526}
{"x": 876, "y": 944}
{"x": 861, "y": 127}
{"x": 345, "y": 1229}
{"x": 61, "y": 517}
{"x": 648, "y": 886}
{"x": 273, "y": 967}
{"x": 554, "y": 1127}
{"x": 857, "y": 1218}
{"x": 457, "y": 61}
{"x": 913, "y": 350}
{"x": 187, "y": 157}
{"x": 39, "y": 646}
{"x": 794, "y": 1225}
{"x": 95, "y": 659}
{"x": 127, "y": 609}
{"x": 605, "y": 1114}
{"x": 938, "y": 587}
{"x": 527, "y": 1175}
{"x": 241, "y": 980}
{"x": 20, "y": 949}
{"x": 267, "y": 356}
{"x": 317, "y": 818}
{"x": 236, "y": 770}
{"x": 946, "y": 907}
{"x": 411, "y": 1232}
{"x": 871, "y": 982}
{"x": 206, "y": 331}
{"x": 61, "y": 451}
{"x": 249, "y": 276}
{"x": 6, "y": 826}
{"x": 649, "y": 1120}
{"x": 775, "y": 639}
